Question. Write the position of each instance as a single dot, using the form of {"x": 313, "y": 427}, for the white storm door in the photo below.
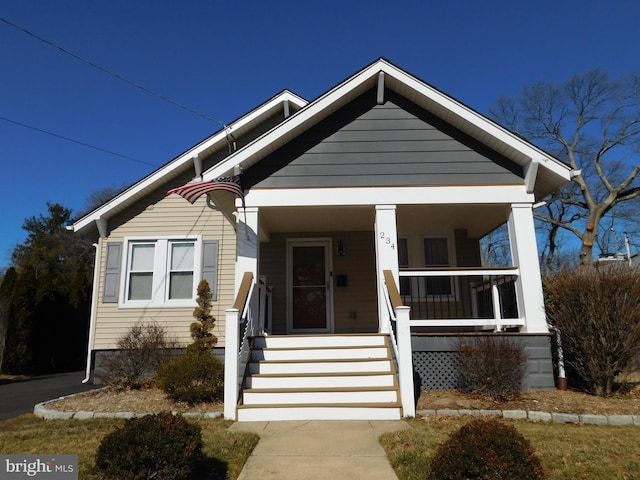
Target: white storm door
{"x": 309, "y": 304}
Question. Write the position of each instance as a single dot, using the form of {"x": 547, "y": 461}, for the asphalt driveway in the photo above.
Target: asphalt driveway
{"x": 18, "y": 398}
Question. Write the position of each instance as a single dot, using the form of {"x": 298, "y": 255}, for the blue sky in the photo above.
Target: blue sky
{"x": 225, "y": 58}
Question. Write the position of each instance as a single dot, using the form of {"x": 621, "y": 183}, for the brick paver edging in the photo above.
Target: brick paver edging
{"x": 41, "y": 410}
{"x": 535, "y": 416}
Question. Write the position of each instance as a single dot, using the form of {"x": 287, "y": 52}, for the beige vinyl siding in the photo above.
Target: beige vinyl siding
{"x": 169, "y": 215}
{"x": 358, "y": 297}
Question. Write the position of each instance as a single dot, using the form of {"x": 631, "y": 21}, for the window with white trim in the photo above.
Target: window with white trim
{"x": 181, "y": 268}
{"x": 141, "y": 267}
{"x": 163, "y": 271}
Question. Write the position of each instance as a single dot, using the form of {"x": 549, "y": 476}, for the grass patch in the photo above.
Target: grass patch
{"x": 567, "y": 451}
{"x": 226, "y": 451}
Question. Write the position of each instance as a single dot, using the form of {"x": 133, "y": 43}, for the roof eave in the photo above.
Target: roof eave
{"x": 86, "y": 224}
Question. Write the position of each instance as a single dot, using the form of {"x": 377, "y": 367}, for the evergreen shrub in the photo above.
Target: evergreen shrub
{"x": 487, "y": 450}
{"x": 197, "y": 376}
{"x": 192, "y": 378}
{"x": 159, "y": 447}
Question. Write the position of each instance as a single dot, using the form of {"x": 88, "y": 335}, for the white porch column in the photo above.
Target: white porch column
{"x": 247, "y": 244}
{"x": 231, "y": 363}
{"x": 524, "y": 252}
{"x": 386, "y": 256}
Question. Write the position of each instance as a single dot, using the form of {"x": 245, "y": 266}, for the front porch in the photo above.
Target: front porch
{"x": 371, "y": 284}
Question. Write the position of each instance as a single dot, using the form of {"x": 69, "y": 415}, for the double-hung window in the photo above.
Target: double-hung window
{"x": 165, "y": 271}
{"x": 141, "y": 266}
{"x": 181, "y": 269}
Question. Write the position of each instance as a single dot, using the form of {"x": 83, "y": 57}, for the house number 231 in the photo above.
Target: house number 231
{"x": 387, "y": 240}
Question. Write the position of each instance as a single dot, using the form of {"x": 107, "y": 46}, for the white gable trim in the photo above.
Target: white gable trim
{"x": 190, "y": 156}
{"x": 459, "y": 115}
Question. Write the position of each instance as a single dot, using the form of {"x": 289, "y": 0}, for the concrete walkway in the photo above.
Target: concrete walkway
{"x": 318, "y": 450}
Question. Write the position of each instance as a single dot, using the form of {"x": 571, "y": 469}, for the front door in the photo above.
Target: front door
{"x": 309, "y": 302}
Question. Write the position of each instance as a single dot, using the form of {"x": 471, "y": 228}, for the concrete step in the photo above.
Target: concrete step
{"x": 297, "y": 396}
{"x": 321, "y": 380}
{"x": 252, "y": 413}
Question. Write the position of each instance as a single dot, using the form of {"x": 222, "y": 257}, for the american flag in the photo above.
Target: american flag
{"x": 192, "y": 191}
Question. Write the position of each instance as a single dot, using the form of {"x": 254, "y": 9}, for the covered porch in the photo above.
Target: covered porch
{"x": 377, "y": 277}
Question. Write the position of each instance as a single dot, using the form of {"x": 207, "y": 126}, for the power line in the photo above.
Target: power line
{"x": 76, "y": 141}
{"x": 109, "y": 72}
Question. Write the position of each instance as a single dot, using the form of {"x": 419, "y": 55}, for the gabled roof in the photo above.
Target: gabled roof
{"x": 184, "y": 161}
{"x": 548, "y": 172}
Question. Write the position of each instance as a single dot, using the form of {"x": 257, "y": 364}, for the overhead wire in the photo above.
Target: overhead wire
{"x": 75, "y": 141}
{"x": 110, "y": 72}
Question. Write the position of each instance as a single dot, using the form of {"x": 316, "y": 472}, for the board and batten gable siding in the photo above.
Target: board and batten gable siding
{"x": 172, "y": 215}
{"x": 393, "y": 144}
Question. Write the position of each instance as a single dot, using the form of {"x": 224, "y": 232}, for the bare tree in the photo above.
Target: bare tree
{"x": 593, "y": 123}
{"x": 99, "y": 197}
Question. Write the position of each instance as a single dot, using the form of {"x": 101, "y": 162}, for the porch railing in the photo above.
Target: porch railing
{"x": 240, "y": 326}
{"x": 461, "y": 297}
{"x": 401, "y": 342}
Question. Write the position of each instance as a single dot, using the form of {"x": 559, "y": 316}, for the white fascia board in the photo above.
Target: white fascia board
{"x": 158, "y": 175}
{"x": 469, "y": 115}
{"x": 406, "y": 195}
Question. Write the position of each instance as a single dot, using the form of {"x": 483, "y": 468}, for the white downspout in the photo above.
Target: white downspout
{"x": 94, "y": 308}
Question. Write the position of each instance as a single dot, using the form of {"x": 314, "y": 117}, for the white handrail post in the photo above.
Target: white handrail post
{"x": 405, "y": 361}
{"x": 231, "y": 387}
{"x": 497, "y": 308}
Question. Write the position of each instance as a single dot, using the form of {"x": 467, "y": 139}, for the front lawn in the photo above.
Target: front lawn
{"x": 567, "y": 451}
{"x": 226, "y": 451}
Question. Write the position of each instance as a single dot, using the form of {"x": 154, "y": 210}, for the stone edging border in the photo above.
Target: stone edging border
{"x": 41, "y": 410}
{"x": 535, "y": 416}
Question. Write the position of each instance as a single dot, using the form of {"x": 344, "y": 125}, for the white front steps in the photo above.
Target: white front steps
{"x": 321, "y": 377}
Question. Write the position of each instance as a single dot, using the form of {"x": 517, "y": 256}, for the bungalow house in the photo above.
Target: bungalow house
{"x": 341, "y": 239}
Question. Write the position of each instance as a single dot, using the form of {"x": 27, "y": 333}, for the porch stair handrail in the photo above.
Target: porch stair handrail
{"x": 399, "y": 313}
{"x": 237, "y": 348}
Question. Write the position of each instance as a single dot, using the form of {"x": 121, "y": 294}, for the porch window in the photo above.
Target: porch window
{"x": 436, "y": 254}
